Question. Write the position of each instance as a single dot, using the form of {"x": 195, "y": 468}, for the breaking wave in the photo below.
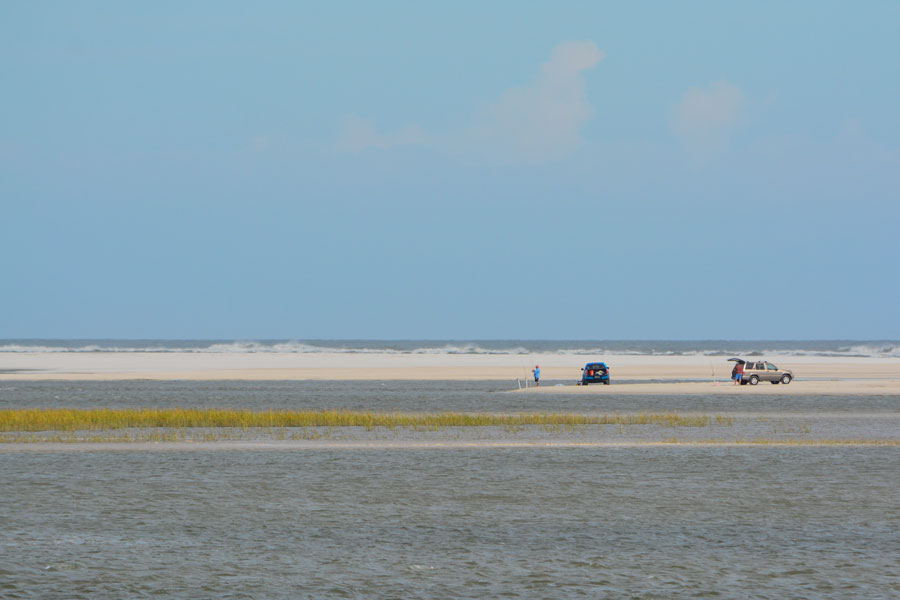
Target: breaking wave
{"x": 886, "y": 349}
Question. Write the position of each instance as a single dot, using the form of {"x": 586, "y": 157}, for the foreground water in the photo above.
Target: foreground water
{"x": 466, "y": 523}
{"x": 462, "y": 522}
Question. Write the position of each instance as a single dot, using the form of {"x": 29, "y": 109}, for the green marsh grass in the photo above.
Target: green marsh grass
{"x": 77, "y": 419}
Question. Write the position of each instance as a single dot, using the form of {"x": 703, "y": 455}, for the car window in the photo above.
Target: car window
{"x": 760, "y": 366}
{"x": 771, "y": 367}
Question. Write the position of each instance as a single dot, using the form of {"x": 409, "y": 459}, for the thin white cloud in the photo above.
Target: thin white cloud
{"x": 357, "y": 134}
{"x": 540, "y": 121}
{"x": 531, "y": 124}
{"x": 705, "y": 118}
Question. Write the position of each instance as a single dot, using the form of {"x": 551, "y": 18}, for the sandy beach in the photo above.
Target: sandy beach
{"x": 680, "y": 374}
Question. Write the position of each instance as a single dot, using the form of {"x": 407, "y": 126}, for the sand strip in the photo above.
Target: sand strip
{"x": 293, "y": 445}
{"x": 113, "y": 366}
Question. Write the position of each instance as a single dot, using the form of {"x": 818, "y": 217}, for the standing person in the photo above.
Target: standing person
{"x": 738, "y": 373}
{"x": 537, "y": 375}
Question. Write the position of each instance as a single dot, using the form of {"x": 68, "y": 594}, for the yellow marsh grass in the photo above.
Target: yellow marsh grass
{"x": 74, "y": 438}
{"x": 73, "y": 419}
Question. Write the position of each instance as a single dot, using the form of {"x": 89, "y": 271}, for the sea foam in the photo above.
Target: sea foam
{"x": 876, "y": 349}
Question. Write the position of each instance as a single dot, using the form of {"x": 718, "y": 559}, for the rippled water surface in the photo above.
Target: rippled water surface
{"x": 437, "y": 523}
{"x": 195, "y": 521}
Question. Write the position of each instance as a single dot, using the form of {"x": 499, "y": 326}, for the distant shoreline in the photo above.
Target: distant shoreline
{"x": 522, "y": 348}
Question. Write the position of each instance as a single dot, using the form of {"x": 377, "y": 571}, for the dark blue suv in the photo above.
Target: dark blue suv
{"x": 595, "y": 373}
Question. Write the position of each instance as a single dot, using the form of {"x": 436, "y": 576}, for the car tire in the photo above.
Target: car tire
{"x": 786, "y": 379}
{"x": 754, "y": 380}
{"x": 606, "y": 382}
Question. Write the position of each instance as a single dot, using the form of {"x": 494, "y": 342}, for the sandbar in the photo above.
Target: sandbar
{"x": 55, "y": 448}
{"x": 681, "y": 374}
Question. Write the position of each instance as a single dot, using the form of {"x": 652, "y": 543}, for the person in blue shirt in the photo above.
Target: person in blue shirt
{"x": 537, "y": 375}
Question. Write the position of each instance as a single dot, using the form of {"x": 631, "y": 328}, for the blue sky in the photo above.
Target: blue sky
{"x": 457, "y": 170}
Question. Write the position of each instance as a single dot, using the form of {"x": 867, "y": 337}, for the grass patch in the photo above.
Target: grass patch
{"x": 99, "y": 419}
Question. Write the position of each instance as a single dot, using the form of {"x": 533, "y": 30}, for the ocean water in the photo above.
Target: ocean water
{"x": 850, "y": 348}
{"x": 656, "y": 522}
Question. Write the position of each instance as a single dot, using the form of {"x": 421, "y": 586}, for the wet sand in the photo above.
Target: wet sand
{"x": 832, "y": 387}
